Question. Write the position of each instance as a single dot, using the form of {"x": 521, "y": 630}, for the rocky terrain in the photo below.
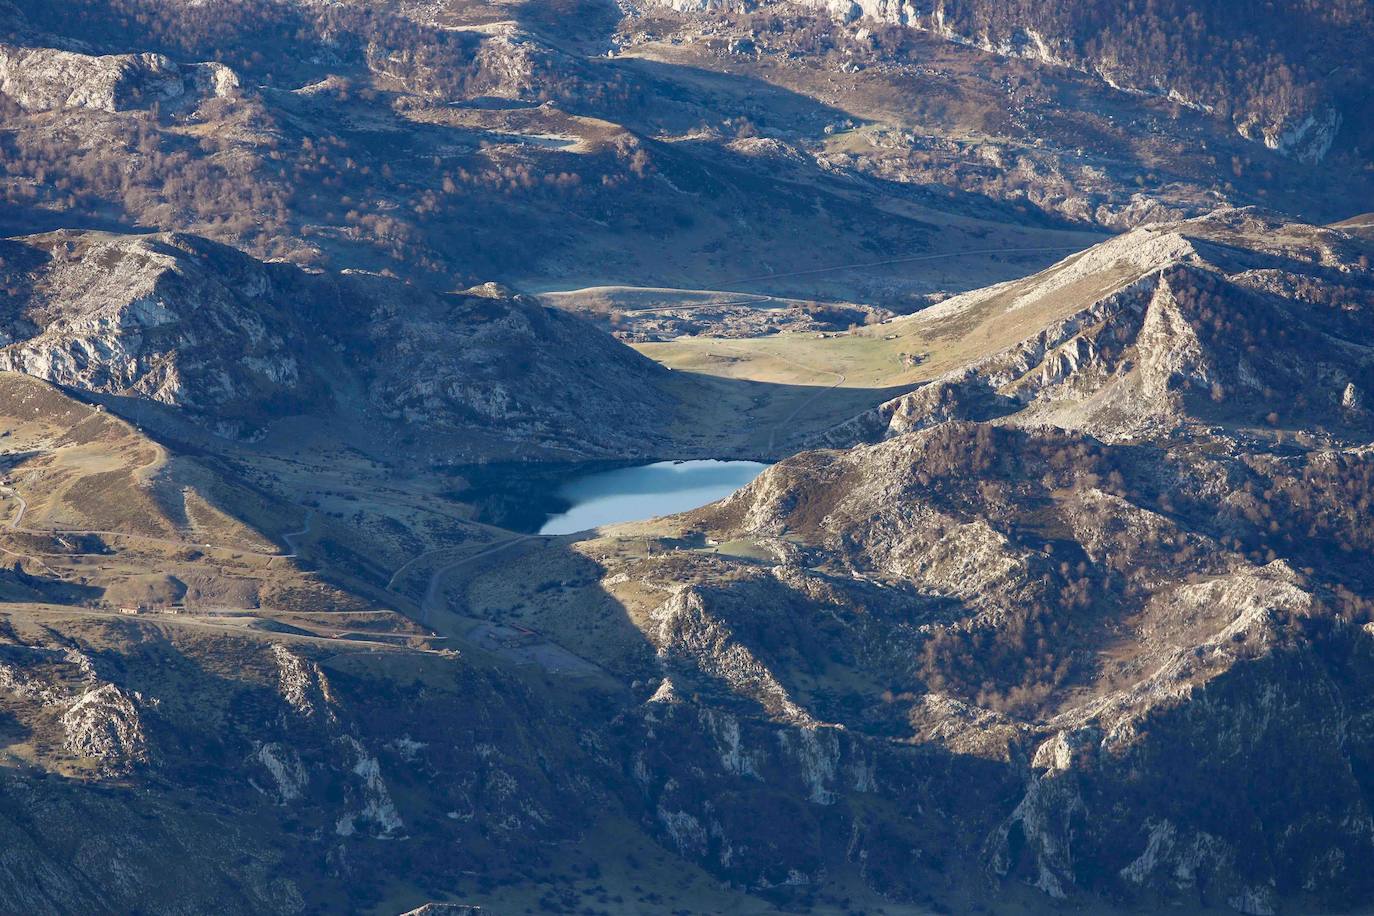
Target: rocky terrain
{"x": 50, "y": 79}
{"x": 1237, "y": 318}
{"x": 1201, "y": 55}
{"x": 1057, "y": 320}
{"x": 236, "y": 344}
{"x": 972, "y": 96}
{"x": 435, "y": 143}
{"x": 1127, "y": 541}
{"x": 435, "y": 140}
{"x": 643, "y": 315}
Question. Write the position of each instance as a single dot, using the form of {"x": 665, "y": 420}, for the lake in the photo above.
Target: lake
{"x": 630, "y": 494}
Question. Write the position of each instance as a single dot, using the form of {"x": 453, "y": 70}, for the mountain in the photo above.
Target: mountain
{"x": 47, "y": 79}
{"x": 433, "y": 146}
{"x": 1097, "y": 563}
{"x": 236, "y": 344}
{"x": 1085, "y": 581}
{"x": 1052, "y": 321}
{"x": 1238, "y": 318}
{"x": 1288, "y": 74}
{"x": 1006, "y": 652}
{"x": 710, "y": 149}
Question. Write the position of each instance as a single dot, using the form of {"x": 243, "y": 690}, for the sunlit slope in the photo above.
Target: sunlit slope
{"x": 906, "y": 351}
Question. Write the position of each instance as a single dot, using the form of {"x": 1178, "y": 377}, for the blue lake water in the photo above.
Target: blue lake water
{"x": 630, "y": 494}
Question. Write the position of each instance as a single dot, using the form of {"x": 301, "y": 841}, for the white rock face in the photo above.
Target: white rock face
{"x": 234, "y": 343}
{"x": 1352, "y": 398}
{"x": 171, "y": 318}
{"x": 42, "y": 79}
{"x": 283, "y": 764}
{"x": 216, "y": 79}
{"x": 510, "y": 61}
{"x": 816, "y": 754}
{"x": 686, "y": 631}
{"x": 1308, "y": 140}
{"x": 1093, "y": 462}
{"x": 1305, "y": 135}
{"x": 684, "y": 830}
{"x": 27, "y": 686}
{"x": 98, "y": 720}
{"x": 302, "y": 684}
{"x": 104, "y": 724}
{"x": 686, "y": 6}
{"x": 1127, "y": 345}
{"x": 377, "y": 808}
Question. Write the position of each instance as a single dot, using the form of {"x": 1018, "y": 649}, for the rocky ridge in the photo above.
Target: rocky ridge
{"x": 1302, "y": 123}
{"x": 1006, "y": 647}
{"x": 234, "y": 343}
{"x": 1176, "y": 337}
{"x": 1068, "y": 569}
{"x": 288, "y": 744}
{"x": 1077, "y": 620}
{"x": 43, "y": 79}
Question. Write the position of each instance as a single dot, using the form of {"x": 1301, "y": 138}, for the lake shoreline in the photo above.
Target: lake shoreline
{"x": 646, "y": 491}
{"x": 527, "y": 497}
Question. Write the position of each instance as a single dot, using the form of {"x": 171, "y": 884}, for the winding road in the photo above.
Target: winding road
{"x": 747, "y": 299}
{"x": 290, "y": 538}
{"x": 436, "y": 579}
{"x": 23, "y": 507}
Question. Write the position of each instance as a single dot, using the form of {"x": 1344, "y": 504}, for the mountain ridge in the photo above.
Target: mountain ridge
{"x": 217, "y": 335}
{"x": 1055, "y": 593}
{"x": 1037, "y": 376}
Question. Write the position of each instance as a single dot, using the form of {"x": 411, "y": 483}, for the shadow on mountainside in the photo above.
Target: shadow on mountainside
{"x": 698, "y": 747}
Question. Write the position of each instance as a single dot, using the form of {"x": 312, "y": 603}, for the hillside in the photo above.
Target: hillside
{"x": 1238, "y": 319}
{"x": 1289, "y": 75}
{"x": 453, "y": 145}
{"x": 1044, "y": 333}
{"x": 443, "y": 146}
{"x": 1071, "y": 592}
{"x": 238, "y": 345}
{"x": 1006, "y": 652}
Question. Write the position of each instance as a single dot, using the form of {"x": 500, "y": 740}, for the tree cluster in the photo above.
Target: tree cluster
{"x": 1264, "y": 60}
